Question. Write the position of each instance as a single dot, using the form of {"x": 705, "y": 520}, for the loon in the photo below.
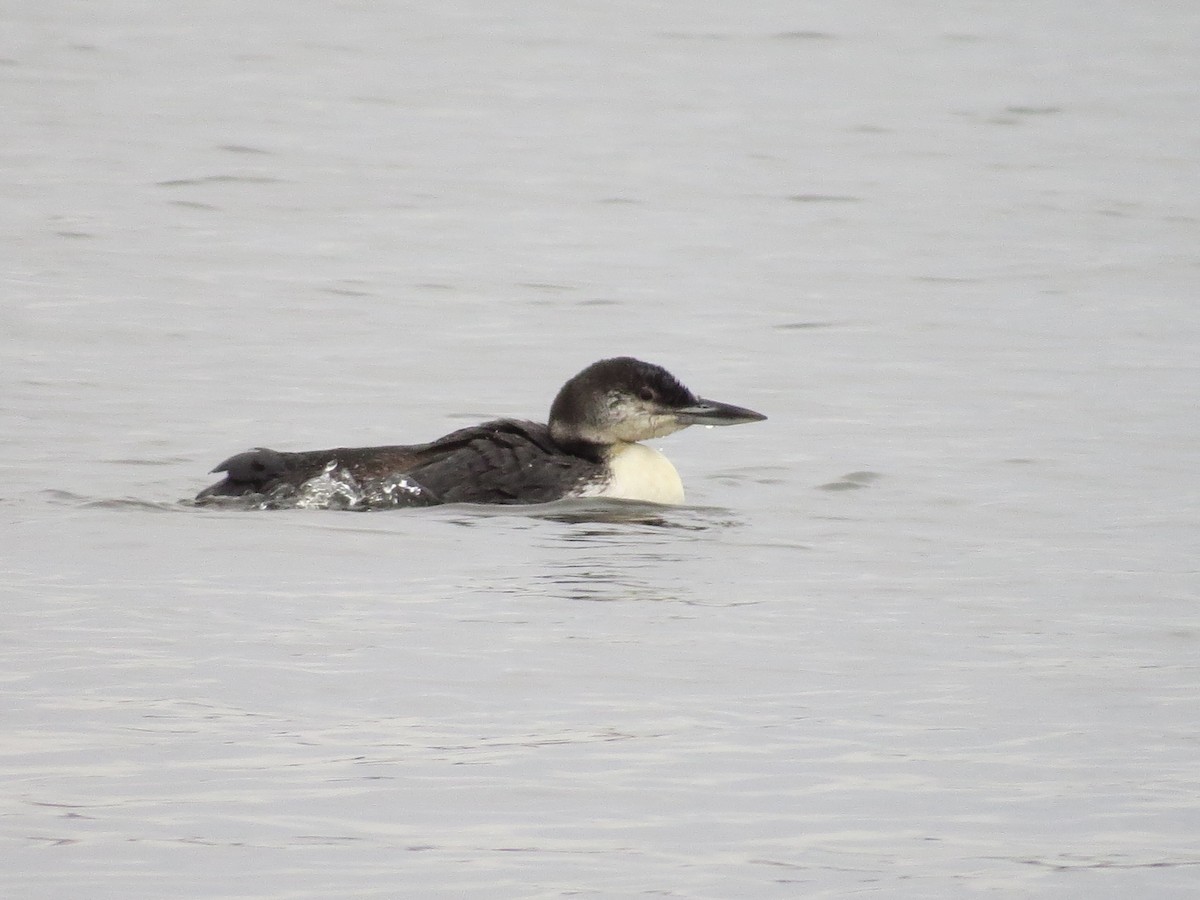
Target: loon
{"x": 590, "y": 448}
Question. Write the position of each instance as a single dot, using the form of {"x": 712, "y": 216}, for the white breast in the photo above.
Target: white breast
{"x": 640, "y": 473}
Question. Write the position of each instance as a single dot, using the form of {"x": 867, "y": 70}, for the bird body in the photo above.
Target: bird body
{"x": 590, "y": 448}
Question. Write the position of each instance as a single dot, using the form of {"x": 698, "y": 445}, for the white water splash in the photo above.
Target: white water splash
{"x": 337, "y": 488}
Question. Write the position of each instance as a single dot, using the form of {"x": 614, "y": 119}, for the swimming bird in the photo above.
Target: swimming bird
{"x": 591, "y": 447}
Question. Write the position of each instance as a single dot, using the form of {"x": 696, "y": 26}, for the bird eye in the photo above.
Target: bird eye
{"x": 647, "y": 394}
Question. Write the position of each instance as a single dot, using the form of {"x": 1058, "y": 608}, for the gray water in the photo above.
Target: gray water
{"x": 930, "y": 631}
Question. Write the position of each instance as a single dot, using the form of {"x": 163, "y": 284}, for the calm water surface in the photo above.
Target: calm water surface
{"x": 930, "y": 631}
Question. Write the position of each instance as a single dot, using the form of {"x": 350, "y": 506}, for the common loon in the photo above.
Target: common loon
{"x": 589, "y": 448}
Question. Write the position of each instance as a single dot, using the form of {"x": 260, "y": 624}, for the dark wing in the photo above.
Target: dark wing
{"x": 505, "y": 461}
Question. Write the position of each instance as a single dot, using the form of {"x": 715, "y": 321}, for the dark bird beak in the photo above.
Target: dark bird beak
{"x": 711, "y": 412}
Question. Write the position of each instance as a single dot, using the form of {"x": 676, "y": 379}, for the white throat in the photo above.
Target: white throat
{"x": 640, "y": 473}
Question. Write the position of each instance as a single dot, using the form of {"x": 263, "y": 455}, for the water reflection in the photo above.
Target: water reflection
{"x": 595, "y": 581}
{"x": 611, "y": 512}
{"x": 626, "y": 551}
{"x": 568, "y": 512}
